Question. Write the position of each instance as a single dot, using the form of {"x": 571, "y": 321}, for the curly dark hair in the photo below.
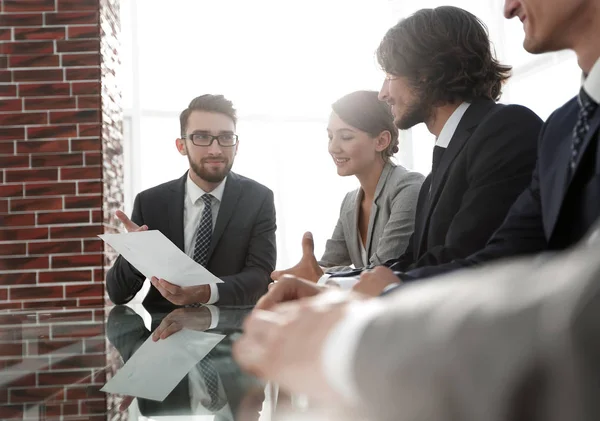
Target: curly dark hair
{"x": 364, "y": 111}
{"x": 211, "y": 103}
{"x": 446, "y": 55}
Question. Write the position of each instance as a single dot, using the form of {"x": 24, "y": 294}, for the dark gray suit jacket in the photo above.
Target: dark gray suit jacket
{"x": 242, "y": 250}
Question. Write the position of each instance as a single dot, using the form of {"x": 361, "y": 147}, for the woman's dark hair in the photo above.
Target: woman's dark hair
{"x": 364, "y": 111}
{"x": 446, "y": 55}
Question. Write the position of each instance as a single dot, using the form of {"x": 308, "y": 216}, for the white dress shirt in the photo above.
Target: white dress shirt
{"x": 339, "y": 366}
{"x": 443, "y": 140}
{"x": 192, "y": 213}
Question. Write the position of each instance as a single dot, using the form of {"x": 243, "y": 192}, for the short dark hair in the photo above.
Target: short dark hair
{"x": 364, "y": 110}
{"x": 210, "y": 103}
{"x": 446, "y": 55}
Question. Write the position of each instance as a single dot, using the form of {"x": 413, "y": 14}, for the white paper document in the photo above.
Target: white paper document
{"x": 153, "y": 254}
{"x": 345, "y": 283}
{"x": 156, "y": 368}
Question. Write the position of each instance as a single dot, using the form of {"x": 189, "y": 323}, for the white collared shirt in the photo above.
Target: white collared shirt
{"x": 192, "y": 213}
{"x": 445, "y": 136}
{"x": 591, "y": 84}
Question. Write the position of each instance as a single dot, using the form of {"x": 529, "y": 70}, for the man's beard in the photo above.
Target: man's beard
{"x": 416, "y": 113}
{"x": 210, "y": 176}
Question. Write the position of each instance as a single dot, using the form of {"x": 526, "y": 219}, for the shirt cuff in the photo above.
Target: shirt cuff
{"x": 341, "y": 345}
{"x": 323, "y": 279}
{"x": 214, "y": 294}
{"x": 390, "y": 287}
{"x": 214, "y": 315}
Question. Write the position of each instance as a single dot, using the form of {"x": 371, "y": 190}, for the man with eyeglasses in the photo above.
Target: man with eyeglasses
{"x": 222, "y": 220}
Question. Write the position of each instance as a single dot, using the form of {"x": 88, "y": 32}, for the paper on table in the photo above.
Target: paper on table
{"x": 156, "y": 368}
{"x": 153, "y": 254}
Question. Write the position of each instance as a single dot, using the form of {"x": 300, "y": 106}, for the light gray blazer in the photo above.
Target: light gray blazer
{"x": 390, "y": 226}
{"x": 517, "y": 339}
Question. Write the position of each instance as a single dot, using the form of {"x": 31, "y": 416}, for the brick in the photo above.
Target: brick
{"x": 56, "y": 103}
{"x": 84, "y": 291}
{"x": 60, "y": 160}
{"x": 5, "y": 34}
{"x": 80, "y": 361}
{"x": 96, "y": 345}
{"x": 66, "y": 276}
{"x": 85, "y": 101}
{"x": 15, "y": 161}
{"x": 37, "y": 75}
{"x": 7, "y": 148}
{"x": 52, "y": 132}
{"x": 64, "y": 5}
{"x": 54, "y": 247}
{"x": 98, "y": 275}
{"x": 88, "y": 130}
{"x": 77, "y": 260}
{"x": 58, "y": 218}
{"x": 82, "y": 32}
{"x": 15, "y": 104}
{"x": 10, "y": 190}
{"x": 5, "y": 75}
{"x": 40, "y": 33}
{"x": 21, "y": 19}
{"x": 85, "y": 88}
{"x": 42, "y": 147}
{"x": 10, "y": 306}
{"x": 12, "y": 133}
{"x": 75, "y": 392}
{"x": 21, "y": 119}
{"x": 49, "y": 189}
{"x": 56, "y": 347}
{"x": 77, "y": 45}
{"x": 79, "y": 330}
{"x": 87, "y": 187}
{"x": 96, "y": 216}
{"x": 22, "y": 278}
{"x": 14, "y": 249}
{"x": 37, "y": 292}
{"x": 29, "y": 47}
{"x": 66, "y": 316}
{"x": 91, "y": 246}
{"x": 12, "y": 349}
{"x": 24, "y": 263}
{"x": 79, "y": 232}
{"x": 90, "y": 17}
{"x": 52, "y": 304}
{"x": 92, "y": 144}
{"x": 93, "y": 158}
{"x": 40, "y": 203}
{"x": 17, "y": 176}
{"x": 17, "y": 220}
{"x": 37, "y": 394}
{"x": 34, "y": 60}
{"x": 25, "y": 380}
{"x": 8, "y": 90}
{"x": 83, "y": 202}
{"x": 28, "y": 6}
{"x": 81, "y": 173}
{"x": 81, "y": 116}
{"x": 93, "y": 407}
{"x": 12, "y": 234}
{"x": 72, "y": 60}
{"x": 65, "y": 378}
{"x": 83, "y": 73}
{"x": 44, "y": 89}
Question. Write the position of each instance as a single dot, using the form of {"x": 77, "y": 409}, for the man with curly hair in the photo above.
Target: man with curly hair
{"x": 441, "y": 70}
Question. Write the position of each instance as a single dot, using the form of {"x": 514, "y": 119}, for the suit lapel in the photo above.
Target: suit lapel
{"x": 562, "y": 179}
{"x": 473, "y": 116}
{"x": 385, "y": 174}
{"x": 231, "y": 195}
{"x": 175, "y": 212}
{"x": 350, "y": 223}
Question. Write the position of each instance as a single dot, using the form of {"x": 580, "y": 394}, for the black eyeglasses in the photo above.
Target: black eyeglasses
{"x": 205, "y": 139}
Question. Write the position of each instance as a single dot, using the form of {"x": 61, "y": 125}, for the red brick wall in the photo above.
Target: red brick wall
{"x": 60, "y": 145}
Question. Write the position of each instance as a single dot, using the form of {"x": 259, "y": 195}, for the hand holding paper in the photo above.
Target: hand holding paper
{"x": 155, "y": 256}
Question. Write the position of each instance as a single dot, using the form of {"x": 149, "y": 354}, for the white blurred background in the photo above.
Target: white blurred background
{"x": 283, "y": 63}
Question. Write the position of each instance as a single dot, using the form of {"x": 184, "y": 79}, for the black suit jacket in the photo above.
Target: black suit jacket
{"x": 557, "y": 208}
{"x": 487, "y": 164}
{"x": 242, "y": 250}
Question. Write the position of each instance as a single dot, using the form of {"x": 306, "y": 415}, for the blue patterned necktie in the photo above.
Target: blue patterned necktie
{"x": 204, "y": 233}
{"x": 211, "y": 379}
{"x": 587, "y": 106}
